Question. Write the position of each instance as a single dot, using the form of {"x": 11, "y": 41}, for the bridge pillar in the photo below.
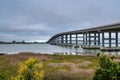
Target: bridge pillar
{"x": 98, "y": 38}
{"x": 76, "y": 42}
{"x": 70, "y": 39}
{"x": 89, "y": 39}
{"x": 66, "y": 39}
{"x": 116, "y": 39}
{"x": 102, "y": 39}
{"x": 83, "y": 39}
{"x": 62, "y": 40}
{"x": 95, "y": 38}
{"x": 109, "y": 39}
{"x": 86, "y": 39}
{"x": 57, "y": 40}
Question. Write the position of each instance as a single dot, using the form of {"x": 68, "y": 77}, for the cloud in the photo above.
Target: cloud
{"x": 43, "y": 18}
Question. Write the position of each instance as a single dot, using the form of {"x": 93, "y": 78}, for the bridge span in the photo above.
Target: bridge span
{"x": 103, "y": 37}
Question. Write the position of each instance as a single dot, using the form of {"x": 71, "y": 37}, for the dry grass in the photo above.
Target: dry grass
{"x": 69, "y": 64}
{"x": 61, "y": 64}
{"x": 16, "y": 58}
{"x": 116, "y": 60}
{"x": 76, "y": 70}
{"x": 84, "y": 64}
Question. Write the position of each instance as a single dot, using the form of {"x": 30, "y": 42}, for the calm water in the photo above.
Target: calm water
{"x": 44, "y": 48}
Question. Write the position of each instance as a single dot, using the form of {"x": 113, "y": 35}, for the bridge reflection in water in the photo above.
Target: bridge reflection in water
{"x": 104, "y": 38}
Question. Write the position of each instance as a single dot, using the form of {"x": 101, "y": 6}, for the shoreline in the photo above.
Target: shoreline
{"x": 66, "y": 54}
{"x": 41, "y": 53}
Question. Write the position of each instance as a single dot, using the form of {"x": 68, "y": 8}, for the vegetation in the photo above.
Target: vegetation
{"x": 29, "y": 70}
{"x": 108, "y": 70}
{"x": 55, "y": 67}
{"x": 19, "y": 42}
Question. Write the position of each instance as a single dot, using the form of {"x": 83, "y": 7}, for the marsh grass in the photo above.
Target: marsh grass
{"x": 56, "y": 67}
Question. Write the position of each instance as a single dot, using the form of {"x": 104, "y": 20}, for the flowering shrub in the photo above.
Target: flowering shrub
{"x": 29, "y": 70}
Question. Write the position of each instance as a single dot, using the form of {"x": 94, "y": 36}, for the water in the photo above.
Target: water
{"x": 44, "y": 48}
{"x": 37, "y": 48}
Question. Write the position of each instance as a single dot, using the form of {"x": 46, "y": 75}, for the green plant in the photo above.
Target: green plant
{"x": 30, "y": 70}
{"x": 4, "y": 75}
{"x": 108, "y": 70}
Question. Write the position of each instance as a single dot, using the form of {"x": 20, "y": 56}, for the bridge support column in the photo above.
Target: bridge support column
{"x": 89, "y": 39}
{"x": 66, "y": 39}
{"x": 109, "y": 39}
{"x": 86, "y": 40}
{"x": 116, "y": 39}
{"x": 83, "y": 39}
{"x": 98, "y": 38}
{"x": 102, "y": 39}
{"x": 62, "y": 40}
{"x": 70, "y": 39}
{"x": 95, "y": 38}
{"x": 57, "y": 40}
{"x": 76, "y": 42}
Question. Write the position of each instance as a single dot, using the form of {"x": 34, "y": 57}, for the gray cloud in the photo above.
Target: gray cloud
{"x": 40, "y": 19}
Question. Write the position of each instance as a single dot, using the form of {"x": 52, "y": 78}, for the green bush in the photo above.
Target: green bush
{"x": 29, "y": 70}
{"x": 108, "y": 70}
{"x": 5, "y": 75}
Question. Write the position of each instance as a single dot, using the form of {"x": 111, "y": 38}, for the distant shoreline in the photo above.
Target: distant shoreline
{"x": 23, "y": 43}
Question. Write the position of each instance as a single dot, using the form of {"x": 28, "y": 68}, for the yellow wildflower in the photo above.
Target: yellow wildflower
{"x": 12, "y": 78}
{"x": 30, "y": 70}
{"x": 19, "y": 77}
{"x": 22, "y": 68}
{"x": 30, "y": 62}
{"x": 38, "y": 74}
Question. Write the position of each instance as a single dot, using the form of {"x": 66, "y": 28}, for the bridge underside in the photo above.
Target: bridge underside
{"x": 103, "y": 38}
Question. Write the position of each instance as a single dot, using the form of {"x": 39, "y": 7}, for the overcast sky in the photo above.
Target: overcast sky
{"x": 38, "y": 20}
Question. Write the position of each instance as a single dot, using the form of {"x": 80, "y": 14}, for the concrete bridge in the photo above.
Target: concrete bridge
{"x": 103, "y": 37}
